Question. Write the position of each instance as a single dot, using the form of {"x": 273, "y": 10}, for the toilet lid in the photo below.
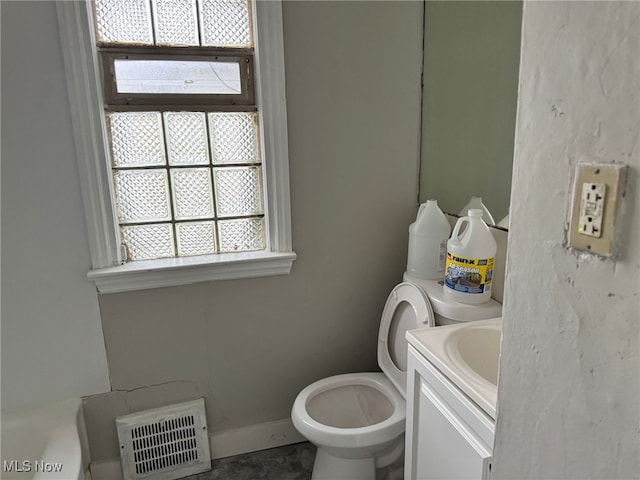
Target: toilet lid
{"x": 407, "y": 308}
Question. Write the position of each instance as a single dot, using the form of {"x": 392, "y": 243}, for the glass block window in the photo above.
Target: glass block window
{"x": 187, "y": 177}
{"x": 174, "y": 196}
{"x": 205, "y": 23}
{"x": 179, "y": 200}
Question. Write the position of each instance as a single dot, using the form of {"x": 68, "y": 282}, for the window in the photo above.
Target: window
{"x": 181, "y": 138}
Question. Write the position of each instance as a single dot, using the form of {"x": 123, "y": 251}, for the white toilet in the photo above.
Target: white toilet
{"x": 357, "y": 420}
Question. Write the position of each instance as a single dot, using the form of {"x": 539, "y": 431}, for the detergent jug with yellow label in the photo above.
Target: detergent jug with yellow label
{"x": 470, "y": 257}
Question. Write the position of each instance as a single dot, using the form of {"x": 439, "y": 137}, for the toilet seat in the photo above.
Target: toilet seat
{"x": 350, "y": 437}
{"x": 407, "y": 308}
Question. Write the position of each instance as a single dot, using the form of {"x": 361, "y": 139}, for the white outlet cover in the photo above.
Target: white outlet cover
{"x": 592, "y": 209}
{"x": 608, "y": 180}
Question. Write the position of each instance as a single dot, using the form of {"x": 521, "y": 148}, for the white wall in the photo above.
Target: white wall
{"x": 569, "y": 401}
{"x": 52, "y": 343}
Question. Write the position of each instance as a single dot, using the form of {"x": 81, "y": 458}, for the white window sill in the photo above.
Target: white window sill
{"x": 169, "y": 272}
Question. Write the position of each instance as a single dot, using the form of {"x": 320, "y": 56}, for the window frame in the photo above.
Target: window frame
{"x": 201, "y": 102}
{"x": 82, "y": 65}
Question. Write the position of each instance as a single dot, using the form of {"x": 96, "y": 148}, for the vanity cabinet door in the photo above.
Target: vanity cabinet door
{"x": 448, "y": 436}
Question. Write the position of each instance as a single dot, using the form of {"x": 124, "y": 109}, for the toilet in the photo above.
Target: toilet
{"x": 357, "y": 420}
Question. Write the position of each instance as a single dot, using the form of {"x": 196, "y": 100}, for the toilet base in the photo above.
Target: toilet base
{"x": 328, "y": 467}
{"x": 386, "y": 466}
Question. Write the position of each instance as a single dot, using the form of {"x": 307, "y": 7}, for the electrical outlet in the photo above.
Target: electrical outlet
{"x": 597, "y": 192}
{"x": 591, "y": 209}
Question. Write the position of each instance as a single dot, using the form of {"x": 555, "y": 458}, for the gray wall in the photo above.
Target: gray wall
{"x": 249, "y": 346}
{"x": 568, "y": 400}
{"x": 471, "y": 59}
{"x": 52, "y": 345}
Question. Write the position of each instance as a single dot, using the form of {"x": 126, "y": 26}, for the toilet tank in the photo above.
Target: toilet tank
{"x": 449, "y": 312}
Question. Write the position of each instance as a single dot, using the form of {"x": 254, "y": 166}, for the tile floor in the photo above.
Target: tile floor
{"x": 291, "y": 462}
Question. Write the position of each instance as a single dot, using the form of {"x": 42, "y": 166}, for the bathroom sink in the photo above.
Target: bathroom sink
{"x": 476, "y": 347}
{"x": 467, "y": 354}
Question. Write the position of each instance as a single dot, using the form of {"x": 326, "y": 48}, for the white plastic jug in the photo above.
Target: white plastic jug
{"x": 428, "y": 237}
{"x": 504, "y": 223}
{"x": 470, "y": 258}
{"x": 476, "y": 202}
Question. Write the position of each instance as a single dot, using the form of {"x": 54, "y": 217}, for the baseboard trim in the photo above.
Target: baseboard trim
{"x": 224, "y": 444}
{"x": 106, "y": 470}
{"x": 253, "y": 438}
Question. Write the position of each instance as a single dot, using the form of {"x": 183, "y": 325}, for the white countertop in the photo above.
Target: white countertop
{"x": 467, "y": 354}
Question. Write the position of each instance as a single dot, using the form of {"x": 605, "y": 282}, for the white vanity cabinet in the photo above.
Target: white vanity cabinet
{"x": 448, "y": 436}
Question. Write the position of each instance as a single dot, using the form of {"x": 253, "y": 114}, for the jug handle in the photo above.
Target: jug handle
{"x": 456, "y": 230}
{"x": 421, "y": 208}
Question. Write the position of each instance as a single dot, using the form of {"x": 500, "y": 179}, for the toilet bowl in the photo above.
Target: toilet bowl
{"x": 357, "y": 420}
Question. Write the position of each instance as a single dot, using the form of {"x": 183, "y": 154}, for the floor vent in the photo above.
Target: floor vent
{"x": 164, "y": 443}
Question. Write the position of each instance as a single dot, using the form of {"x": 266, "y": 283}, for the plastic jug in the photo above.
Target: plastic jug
{"x": 428, "y": 237}
{"x": 470, "y": 258}
{"x": 504, "y": 223}
{"x": 476, "y": 202}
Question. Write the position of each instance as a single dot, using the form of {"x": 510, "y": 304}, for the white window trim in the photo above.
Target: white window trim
{"x": 109, "y": 275}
